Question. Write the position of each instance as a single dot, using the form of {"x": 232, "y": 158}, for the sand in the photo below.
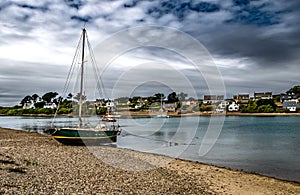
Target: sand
{"x": 35, "y": 164}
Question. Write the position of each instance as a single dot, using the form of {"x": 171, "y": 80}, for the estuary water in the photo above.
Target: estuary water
{"x": 265, "y": 145}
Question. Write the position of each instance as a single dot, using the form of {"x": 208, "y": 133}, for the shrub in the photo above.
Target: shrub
{"x": 64, "y": 111}
{"x": 265, "y": 108}
{"x": 249, "y": 109}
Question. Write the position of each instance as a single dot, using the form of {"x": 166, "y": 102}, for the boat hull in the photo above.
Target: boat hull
{"x": 78, "y": 136}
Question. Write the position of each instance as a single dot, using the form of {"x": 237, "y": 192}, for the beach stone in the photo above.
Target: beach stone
{"x": 52, "y": 168}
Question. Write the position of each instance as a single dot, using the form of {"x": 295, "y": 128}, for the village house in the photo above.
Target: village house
{"x": 222, "y": 107}
{"x": 262, "y": 95}
{"x": 242, "y": 98}
{"x": 212, "y": 99}
{"x": 189, "y": 102}
{"x": 170, "y": 107}
{"x": 287, "y": 97}
{"x": 290, "y": 105}
{"x": 29, "y": 105}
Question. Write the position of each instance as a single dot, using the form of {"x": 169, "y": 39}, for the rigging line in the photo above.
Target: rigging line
{"x": 75, "y": 59}
{"x": 100, "y": 85}
{"x": 96, "y": 76}
{"x": 76, "y": 69}
{"x": 94, "y": 69}
{"x": 153, "y": 139}
{"x": 67, "y": 82}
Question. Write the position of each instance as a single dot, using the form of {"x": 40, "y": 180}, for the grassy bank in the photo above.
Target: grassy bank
{"x": 32, "y": 163}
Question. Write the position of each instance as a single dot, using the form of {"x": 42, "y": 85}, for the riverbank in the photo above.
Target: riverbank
{"x": 170, "y": 114}
{"x": 32, "y": 163}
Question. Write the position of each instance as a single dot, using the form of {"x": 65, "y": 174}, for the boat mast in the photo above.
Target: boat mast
{"x": 81, "y": 77}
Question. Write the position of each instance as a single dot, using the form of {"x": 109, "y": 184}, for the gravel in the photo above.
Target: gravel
{"x": 31, "y": 163}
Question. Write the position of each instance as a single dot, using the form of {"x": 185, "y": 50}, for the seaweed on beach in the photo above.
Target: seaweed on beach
{"x": 30, "y": 163}
{"x": 17, "y": 170}
{"x": 8, "y": 162}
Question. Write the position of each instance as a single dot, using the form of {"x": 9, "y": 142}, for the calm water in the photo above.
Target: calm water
{"x": 265, "y": 145}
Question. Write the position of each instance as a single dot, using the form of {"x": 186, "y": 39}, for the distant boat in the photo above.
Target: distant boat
{"x": 161, "y": 110}
{"x": 82, "y": 134}
{"x": 107, "y": 118}
{"x": 110, "y": 115}
{"x": 162, "y": 116}
{"x": 110, "y": 118}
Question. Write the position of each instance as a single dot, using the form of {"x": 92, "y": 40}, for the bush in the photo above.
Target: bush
{"x": 265, "y": 108}
{"x": 207, "y": 108}
{"x": 269, "y": 102}
{"x": 15, "y": 112}
{"x": 64, "y": 111}
{"x": 101, "y": 111}
{"x": 4, "y": 110}
{"x": 249, "y": 109}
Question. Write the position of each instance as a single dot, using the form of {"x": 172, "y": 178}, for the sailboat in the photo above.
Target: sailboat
{"x": 82, "y": 133}
{"x": 161, "y": 111}
{"x": 110, "y": 116}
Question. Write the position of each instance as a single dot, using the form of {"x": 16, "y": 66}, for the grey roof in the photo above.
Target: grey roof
{"x": 289, "y": 104}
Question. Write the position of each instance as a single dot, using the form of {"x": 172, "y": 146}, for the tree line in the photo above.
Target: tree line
{"x": 66, "y": 105}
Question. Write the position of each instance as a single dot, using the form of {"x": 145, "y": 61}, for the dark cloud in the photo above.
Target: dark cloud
{"x": 255, "y": 16}
{"x": 268, "y": 38}
{"x": 248, "y": 42}
{"x": 181, "y": 9}
{"x": 77, "y": 4}
{"x": 241, "y": 2}
{"x": 81, "y": 19}
{"x": 32, "y": 7}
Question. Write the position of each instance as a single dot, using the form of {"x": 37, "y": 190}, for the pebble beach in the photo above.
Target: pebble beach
{"x": 31, "y": 163}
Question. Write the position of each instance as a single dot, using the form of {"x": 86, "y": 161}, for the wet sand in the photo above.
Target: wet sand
{"x": 33, "y": 163}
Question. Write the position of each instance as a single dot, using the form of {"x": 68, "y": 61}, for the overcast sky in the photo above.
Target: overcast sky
{"x": 254, "y": 43}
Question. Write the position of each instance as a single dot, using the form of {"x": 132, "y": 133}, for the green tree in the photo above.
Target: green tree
{"x": 66, "y": 104}
{"x": 58, "y": 100}
{"x": 26, "y": 99}
{"x": 270, "y": 102}
{"x": 172, "y": 97}
{"x": 265, "y": 108}
{"x": 101, "y": 111}
{"x": 77, "y": 97}
{"x": 151, "y": 100}
{"x": 70, "y": 95}
{"x": 48, "y": 97}
{"x": 181, "y": 96}
{"x": 249, "y": 109}
{"x": 134, "y": 99}
{"x": 159, "y": 96}
{"x": 35, "y": 97}
{"x": 39, "y": 104}
{"x": 295, "y": 90}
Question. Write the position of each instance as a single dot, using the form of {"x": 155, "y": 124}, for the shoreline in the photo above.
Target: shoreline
{"x": 33, "y": 163}
{"x": 153, "y": 114}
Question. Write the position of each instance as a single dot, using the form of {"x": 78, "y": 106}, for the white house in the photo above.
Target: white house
{"x": 28, "y": 105}
{"x": 291, "y": 105}
{"x": 222, "y": 106}
{"x": 233, "y": 107}
{"x": 50, "y": 105}
{"x": 110, "y": 104}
